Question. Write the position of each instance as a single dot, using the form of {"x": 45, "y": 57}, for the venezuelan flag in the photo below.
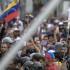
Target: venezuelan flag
{"x": 11, "y": 11}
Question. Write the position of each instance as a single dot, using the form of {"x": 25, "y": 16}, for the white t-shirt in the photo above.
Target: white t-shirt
{"x": 17, "y": 39}
{"x": 20, "y": 25}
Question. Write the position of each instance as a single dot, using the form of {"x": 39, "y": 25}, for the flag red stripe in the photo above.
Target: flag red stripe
{"x": 12, "y": 16}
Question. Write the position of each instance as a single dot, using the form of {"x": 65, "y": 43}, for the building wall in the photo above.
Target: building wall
{"x": 66, "y": 6}
{"x": 22, "y": 8}
{"x": 38, "y": 4}
{"x": 63, "y": 8}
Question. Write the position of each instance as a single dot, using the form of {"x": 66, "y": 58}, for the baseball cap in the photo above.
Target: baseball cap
{"x": 7, "y": 40}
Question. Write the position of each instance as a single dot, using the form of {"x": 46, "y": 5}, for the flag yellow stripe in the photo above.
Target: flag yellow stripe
{"x": 13, "y": 3}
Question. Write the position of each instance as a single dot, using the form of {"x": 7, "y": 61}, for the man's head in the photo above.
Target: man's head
{"x": 29, "y": 44}
{"x": 4, "y": 48}
{"x": 16, "y": 32}
{"x": 44, "y": 40}
{"x": 51, "y": 38}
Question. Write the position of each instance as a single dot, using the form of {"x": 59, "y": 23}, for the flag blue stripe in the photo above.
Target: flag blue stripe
{"x": 13, "y": 9}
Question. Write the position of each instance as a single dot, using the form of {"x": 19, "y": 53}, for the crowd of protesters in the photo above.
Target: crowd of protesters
{"x": 48, "y": 49}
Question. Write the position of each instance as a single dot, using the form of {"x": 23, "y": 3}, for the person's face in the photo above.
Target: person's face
{"x": 37, "y": 41}
{"x": 27, "y": 19}
{"x": 10, "y": 32}
{"x": 23, "y": 50}
{"x": 29, "y": 45}
{"x": 1, "y": 23}
{"x": 16, "y": 33}
{"x": 51, "y": 39}
{"x": 46, "y": 38}
{"x": 4, "y": 48}
{"x": 44, "y": 41}
{"x": 64, "y": 50}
